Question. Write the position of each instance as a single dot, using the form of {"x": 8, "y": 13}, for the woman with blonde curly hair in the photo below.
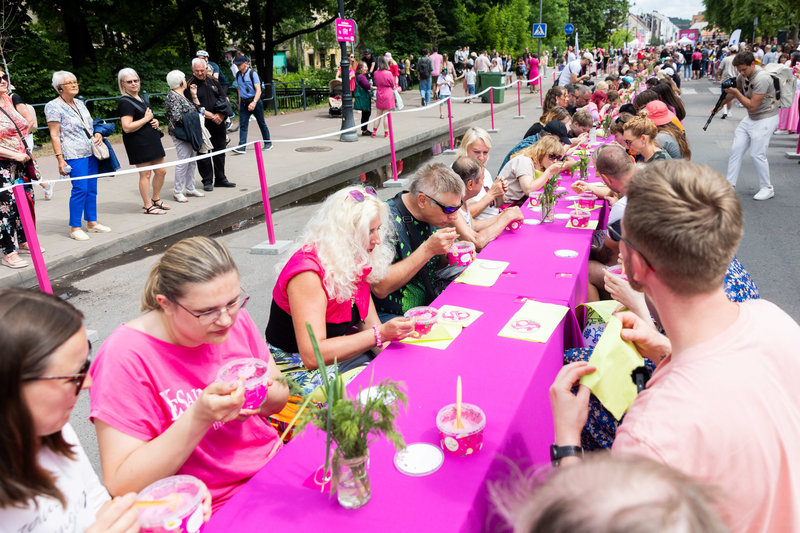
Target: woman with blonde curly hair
{"x": 530, "y": 168}
{"x": 325, "y": 283}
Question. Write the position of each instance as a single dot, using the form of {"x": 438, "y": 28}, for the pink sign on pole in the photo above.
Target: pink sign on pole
{"x": 345, "y": 30}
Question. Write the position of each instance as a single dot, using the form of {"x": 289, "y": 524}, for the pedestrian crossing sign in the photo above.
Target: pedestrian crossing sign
{"x": 539, "y": 31}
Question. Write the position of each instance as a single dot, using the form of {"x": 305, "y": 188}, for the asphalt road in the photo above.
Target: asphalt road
{"x": 110, "y": 295}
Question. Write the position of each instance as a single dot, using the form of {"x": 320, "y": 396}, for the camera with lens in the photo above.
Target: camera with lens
{"x": 730, "y": 83}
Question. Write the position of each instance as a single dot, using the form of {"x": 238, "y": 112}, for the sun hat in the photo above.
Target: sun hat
{"x": 587, "y": 55}
{"x": 658, "y": 112}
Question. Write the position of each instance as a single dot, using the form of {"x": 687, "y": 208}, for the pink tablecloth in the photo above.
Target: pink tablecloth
{"x": 789, "y": 118}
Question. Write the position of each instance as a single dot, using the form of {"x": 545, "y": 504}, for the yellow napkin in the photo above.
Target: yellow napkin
{"x": 523, "y": 325}
{"x": 440, "y": 336}
{"x": 482, "y": 272}
{"x": 592, "y": 225}
{"x": 604, "y": 308}
{"x": 451, "y": 314}
{"x": 576, "y": 206}
{"x": 614, "y": 359}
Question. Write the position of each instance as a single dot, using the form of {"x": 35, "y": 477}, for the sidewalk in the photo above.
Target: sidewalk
{"x": 294, "y": 170}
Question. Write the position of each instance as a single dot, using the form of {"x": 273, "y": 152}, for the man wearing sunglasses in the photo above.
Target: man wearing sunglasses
{"x": 418, "y": 272}
{"x": 722, "y": 405}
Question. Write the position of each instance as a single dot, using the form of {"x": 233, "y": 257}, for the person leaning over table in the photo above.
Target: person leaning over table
{"x": 530, "y": 168}
{"x": 142, "y": 138}
{"x": 178, "y": 107}
{"x": 477, "y": 143}
{"x": 419, "y": 271}
{"x": 479, "y": 232}
{"x": 640, "y": 137}
{"x": 68, "y": 121}
{"x": 326, "y": 284}
{"x": 156, "y": 404}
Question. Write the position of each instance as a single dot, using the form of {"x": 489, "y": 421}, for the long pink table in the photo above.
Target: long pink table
{"x": 509, "y": 379}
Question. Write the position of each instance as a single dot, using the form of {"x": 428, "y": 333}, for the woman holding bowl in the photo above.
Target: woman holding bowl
{"x": 142, "y": 139}
{"x": 530, "y": 168}
{"x": 326, "y": 283}
{"x": 156, "y": 403}
{"x": 177, "y": 107}
{"x": 71, "y": 134}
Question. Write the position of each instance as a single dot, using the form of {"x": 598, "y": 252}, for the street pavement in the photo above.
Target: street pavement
{"x": 109, "y": 293}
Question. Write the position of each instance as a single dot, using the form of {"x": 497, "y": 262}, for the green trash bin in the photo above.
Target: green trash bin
{"x": 491, "y": 79}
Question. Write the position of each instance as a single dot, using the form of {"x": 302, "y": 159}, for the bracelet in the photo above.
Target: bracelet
{"x": 378, "y": 340}
{"x": 62, "y": 155}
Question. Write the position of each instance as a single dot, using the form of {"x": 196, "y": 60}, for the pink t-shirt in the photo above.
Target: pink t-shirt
{"x": 727, "y": 411}
{"x": 141, "y": 385}
{"x": 437, "y": 59}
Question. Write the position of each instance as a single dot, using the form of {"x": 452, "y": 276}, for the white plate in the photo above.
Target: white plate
{"x": 486, "y": 263}
{"x": 536, "y": 208}
{"x": 572, "y": 198}
{"x": 531, "y": 221}
{"x": 561, "y": 216}
{"x": 566, "y": 253}
{"x": 560, "y": 189}
{"x": 419, "y": 459}
{"x": 372, "y": 392}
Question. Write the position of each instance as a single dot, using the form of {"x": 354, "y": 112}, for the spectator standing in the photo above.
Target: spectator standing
{"x": 179, "y": 111}
{"x": 444, "y": 84}
{"x": 384, "y": 95}
{"x": 533, "y": 73}
{"x": 362, "y": 100}
{"x": 250, "y": 103}
{"x": 482, "y": 63}
{"x": 212, "y": 99}
{"x": 142, "y": 138}
{"x": 369, "y": 59}
{"x": 217, "y": 72}
{"x": 436, "y": 61}
{"x": 424, "y": 70}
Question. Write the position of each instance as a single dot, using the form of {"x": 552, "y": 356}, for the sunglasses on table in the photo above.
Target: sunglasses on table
{"x": 75, "y": 379}
{"x": 446, "y": 209}
{"x": 358, "y": 196}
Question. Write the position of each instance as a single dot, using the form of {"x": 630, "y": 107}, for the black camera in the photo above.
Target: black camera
{"x": 730, "y": 83}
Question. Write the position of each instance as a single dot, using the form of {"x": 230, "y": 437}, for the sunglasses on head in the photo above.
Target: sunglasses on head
{"x": 358, "y": 196}
{"x": 446, "y": 209}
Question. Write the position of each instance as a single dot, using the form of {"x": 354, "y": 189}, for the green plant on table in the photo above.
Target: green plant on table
{"x": 584, "y": 164}
{"x": 349, "y": 423}
{"x": 606, "y": 124}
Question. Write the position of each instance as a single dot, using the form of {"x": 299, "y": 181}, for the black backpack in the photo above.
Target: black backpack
{"x": 424, "y": 68}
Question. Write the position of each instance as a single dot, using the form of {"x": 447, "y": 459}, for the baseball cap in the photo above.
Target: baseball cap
{"x": 239, "y": 60}
{"x": 587, "y": 55}
{"x": 201, "y": 53}
{"x": 557, "y": 128}
{"x": 668, "y": 71}
{"x": 658, "y": 112}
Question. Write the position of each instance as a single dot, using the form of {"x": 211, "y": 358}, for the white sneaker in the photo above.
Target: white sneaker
{"x": 79, "y": 235}
{"x": 781, "y": 132}
{"x": 196, "y": 193}
{"x": 180, "y": 198}
{"x": 765, "y": 193}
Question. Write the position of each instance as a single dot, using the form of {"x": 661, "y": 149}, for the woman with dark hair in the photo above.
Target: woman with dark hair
{"x": 46, "y": 481}
{"x": 673, "y": 101}
{"x": 643, "y": 98}
{"x": 556, "y": 96}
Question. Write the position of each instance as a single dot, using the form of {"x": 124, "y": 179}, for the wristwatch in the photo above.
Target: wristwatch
{"x": 559, "y": 452}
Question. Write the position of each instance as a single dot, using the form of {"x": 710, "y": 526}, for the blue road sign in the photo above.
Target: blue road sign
{"x": 539, "y": 31}
{"x": 569, "y": 28}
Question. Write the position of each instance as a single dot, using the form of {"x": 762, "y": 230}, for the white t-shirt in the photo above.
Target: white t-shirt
{"x": 78, "y": 483}
{"x": 573, "y": 67}
{"x": 487, "y": 184}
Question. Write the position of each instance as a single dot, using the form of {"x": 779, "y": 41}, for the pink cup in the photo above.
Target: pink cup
{"x": 586, "y": 201}
{"x": 514, "y": 225}
{"x": 534, "y": 198}
{"x": 462, "y": 253}
{"x": 426, "y": 318}
{"x": 182, "y": 511}
{"x": 254, "y": 373}
{"x": 467, "y": 440}
{"x": 579, "y": 219}
{"x": 618, "y": 271}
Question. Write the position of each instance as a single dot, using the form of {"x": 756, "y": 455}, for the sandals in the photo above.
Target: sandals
{"x": 159, "y": 203}
{"x": 154, "y": 210}
{"x": 13, "y": 260}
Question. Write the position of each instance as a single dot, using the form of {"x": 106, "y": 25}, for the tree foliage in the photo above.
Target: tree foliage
{"x": 773, "y": 15}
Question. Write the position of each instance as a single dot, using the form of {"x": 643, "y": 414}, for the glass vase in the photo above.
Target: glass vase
{"x": 351, "y": 478}
{"x": 547, "y": 209}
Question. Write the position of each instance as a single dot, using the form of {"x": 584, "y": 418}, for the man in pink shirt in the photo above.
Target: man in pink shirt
{"x": 436, "y": 59}
{"x": 722, "y": 404}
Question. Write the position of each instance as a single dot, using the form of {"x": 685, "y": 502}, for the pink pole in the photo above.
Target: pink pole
{"x": 29, "y": 227}
{"x": 541, "y": 92}
{"x": 491, "y": 105}
{"x": 798, "y": 139}
{"x": 262, "y": 179}
{"x": 450, "y": 120}
{"x": 519, "y": 100}
{"x": 391, "y": 144}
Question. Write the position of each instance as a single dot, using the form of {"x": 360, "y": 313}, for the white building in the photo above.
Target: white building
{"x": 660, "y": 27}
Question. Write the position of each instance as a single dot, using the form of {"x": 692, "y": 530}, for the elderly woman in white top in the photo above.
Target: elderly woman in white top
{"x": 71, "y": 134}
{"x": 177, "y": 105}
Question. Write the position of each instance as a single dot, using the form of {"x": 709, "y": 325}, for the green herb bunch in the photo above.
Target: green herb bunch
{"x": 584, "y": 164}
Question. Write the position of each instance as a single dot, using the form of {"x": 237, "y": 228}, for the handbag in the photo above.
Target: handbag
{"x": 398, "y": 101}
{"x": 31, "y": 170}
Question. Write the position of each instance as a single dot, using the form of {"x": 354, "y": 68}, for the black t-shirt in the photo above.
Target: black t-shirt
{"x": 16, "y": 99}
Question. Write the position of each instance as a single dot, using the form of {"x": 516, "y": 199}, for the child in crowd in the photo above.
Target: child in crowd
{"x": 469, "y": 80}
{"x": 445, "y": 86}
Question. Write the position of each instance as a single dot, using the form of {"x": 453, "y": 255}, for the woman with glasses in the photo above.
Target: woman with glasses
{"x": 72, "y": 134}
{"x": 640, "y": 134}
{"x": 326, "y": 283}
{"x": 530, "y": 168}
{"x": 46, "y": 481}
{"x": 142, "y": 138}
{"x": 156, "y": 405}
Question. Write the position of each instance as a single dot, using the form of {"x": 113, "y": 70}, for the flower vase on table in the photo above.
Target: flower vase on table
{"x": 549, "y": 196}
{"x": 351, "y": 481}
{"x": 584, "y": 165}
{"x": 547, "y": 209}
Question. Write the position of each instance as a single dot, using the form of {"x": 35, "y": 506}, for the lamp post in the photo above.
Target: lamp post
{"x": 347, "y": 97}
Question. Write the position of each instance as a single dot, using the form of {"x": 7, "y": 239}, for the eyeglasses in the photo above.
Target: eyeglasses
{"x": 75, "y": 379}
{"x": 209, "y": 317}
{"x": 131, "y": 82}
{"x": 69, "y": 83}
{"x": 358, "y": 196}
{"x": 446, "y": 209}
{"x": 555, "y": 157}
{"x": 616, "y": 235}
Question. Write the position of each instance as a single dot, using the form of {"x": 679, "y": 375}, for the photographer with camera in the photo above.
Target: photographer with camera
{"x": 572, "y": 71}
{"x": 756, "y": 92}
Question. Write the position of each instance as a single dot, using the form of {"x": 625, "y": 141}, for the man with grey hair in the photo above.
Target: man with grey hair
{"x": 415, "y": 277}
{"x": 579, "y": 95}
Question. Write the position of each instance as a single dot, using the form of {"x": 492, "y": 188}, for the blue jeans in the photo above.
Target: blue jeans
{"x": 83, "y": 199}
{"x": 244, "y": 122}
{"x": 687, "y": 70}
{"x": 425, "y": 90}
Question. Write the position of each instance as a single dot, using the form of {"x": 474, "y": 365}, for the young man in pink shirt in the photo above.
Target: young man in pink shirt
{"x": 436, "y": 59}
{"x": 722, "y": 404}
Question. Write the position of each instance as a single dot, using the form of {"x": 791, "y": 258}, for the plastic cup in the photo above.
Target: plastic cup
{"x": 426, "y": 318}
{"x": 182, "y": 510}
{"x": 254, "y": 373}
{"x": 586, "y": 201}
{"x": 467, "y": 440}
{"x": 579, "y": 219}
{"x": 534, "y": 198}
{"x": 618, "y": 271}
{"x": 514, "y": 225}
{"x": 462, "y": 253}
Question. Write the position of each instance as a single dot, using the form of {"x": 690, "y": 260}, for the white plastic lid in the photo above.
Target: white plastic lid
{"x": 419, "y": 459}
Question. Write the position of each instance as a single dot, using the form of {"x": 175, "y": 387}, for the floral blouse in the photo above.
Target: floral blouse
{"x": 175, "y": 106}
{"x": 9, "y": 138}
{"x": 74, "y": 142}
